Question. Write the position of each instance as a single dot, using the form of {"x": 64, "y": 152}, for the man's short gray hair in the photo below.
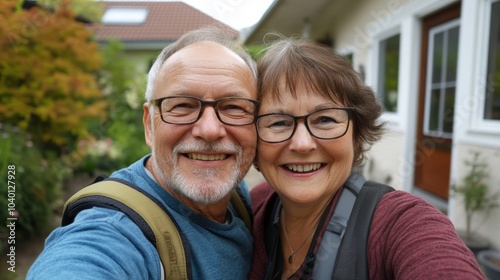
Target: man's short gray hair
{"x": 208, "y": 33}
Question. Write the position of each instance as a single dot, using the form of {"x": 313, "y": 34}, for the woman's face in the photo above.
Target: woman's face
{"x": 304, "y": 169}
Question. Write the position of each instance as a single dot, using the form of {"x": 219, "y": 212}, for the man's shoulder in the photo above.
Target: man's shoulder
{"x": 132, "y": 171}
{"x": 99, "y": 219}
{"x": 97, "y": 238}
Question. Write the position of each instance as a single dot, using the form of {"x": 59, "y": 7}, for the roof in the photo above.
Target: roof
{"x": 165, "y": 22}
{"x": 298, "y": 17}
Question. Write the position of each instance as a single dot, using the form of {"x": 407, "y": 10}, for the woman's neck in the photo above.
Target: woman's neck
{"x": 298, "y": 224}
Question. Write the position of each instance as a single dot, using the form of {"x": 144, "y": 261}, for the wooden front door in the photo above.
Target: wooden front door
{"x": 437, "y": 100}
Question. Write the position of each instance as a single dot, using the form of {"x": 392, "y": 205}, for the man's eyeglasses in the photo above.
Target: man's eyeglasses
{"x": 188, "y": 110}
{"x": 324, "y": 124}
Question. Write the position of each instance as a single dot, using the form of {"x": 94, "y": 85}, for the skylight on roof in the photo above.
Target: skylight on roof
{"x": 125, "y": 15}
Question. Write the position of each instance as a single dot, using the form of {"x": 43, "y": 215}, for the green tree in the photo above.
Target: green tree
{"x": 48, "y": 63}
{"x": 123, "y": 85}
{"x": 476, "y": 192}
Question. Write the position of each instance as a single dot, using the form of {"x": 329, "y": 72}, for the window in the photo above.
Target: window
{"x": 492, "y": 94}
{"x": 388, "y": 73}
{"x": 125, "y": 16}
{"x": 441, "y": 79}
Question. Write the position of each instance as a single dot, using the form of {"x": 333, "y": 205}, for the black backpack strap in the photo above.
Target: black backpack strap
{"x": 352, "y": 260}
{"x": 330, "y": 242}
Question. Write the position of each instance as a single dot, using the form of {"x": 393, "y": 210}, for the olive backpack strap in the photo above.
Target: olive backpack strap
{"x": 242, "y": 208}
{"x": 145, "y": 211}
{"x": 352, "y": 260}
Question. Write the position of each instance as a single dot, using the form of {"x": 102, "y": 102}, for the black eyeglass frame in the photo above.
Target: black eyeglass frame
{"x": 203, "y": 103}
{"x": 348, "y": 110}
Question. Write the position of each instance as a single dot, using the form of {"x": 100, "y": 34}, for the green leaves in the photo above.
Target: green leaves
{"x": 475, "y": 191}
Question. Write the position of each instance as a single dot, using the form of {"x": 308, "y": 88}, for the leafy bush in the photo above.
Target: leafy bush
{"x": 38, "y": 182}
{"x": 119, "y": 140}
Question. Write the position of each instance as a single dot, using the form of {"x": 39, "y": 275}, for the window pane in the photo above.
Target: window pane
{"x": 492, "y": 100}
{"x": 437, "y": 57}
{"x": 388, "y": 73}
{"x": 449, "y": 109}
{"x": 452, "y": 55}
{"x": 434, "y": 111}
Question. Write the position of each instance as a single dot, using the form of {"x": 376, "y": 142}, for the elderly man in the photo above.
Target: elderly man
{"x": 198, "y": 120}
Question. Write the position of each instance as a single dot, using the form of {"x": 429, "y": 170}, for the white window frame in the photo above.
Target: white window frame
{"x": 479, "y": 123}
{"x": 393, "y": 118}
{"x": 428, "y": 83}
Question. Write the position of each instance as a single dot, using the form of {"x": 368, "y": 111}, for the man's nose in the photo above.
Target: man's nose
{"x": 209, "y": 127}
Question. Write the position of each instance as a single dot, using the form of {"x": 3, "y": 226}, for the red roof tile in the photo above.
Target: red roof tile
{"x": 166, "y": 21}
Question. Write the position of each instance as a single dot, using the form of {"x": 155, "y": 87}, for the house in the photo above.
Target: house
{"x": 435, "y": 66}
{"x": 145, "y": 28}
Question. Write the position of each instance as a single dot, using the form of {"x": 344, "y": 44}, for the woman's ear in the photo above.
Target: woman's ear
{"x": 255, "y": 163}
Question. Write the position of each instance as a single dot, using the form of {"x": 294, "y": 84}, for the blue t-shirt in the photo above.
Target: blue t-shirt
{"x": 105, "y": 244}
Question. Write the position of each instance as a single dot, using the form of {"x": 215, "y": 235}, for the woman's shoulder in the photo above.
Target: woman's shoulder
{"x": 400, "y": 213}
{"x": 260, "y": 195}
{"x": 405, "y": 231}
{"x": 402, "y": 205}
{"x": 404, "y": 200}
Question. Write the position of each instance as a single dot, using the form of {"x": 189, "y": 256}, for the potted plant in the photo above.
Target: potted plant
{"x": 490, "y": 260}
{"x": 477, "y": 197}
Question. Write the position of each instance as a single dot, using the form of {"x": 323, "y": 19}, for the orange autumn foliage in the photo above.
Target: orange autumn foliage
{"x": 48, "y": 62}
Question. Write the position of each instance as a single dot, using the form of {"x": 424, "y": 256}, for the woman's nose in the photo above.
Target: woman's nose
{"x": 302, "y": 141}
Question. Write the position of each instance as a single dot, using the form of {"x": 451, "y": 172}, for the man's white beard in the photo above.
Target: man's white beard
{"x": 201, "y": 185}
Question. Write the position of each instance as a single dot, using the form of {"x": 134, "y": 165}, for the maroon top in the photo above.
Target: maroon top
{"x": 409, "y": 239}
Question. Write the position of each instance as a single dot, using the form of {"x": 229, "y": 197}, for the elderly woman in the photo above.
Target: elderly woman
{"x": 316, "y": 121}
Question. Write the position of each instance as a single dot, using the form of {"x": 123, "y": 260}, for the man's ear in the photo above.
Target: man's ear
{"x": 146, "y": 121}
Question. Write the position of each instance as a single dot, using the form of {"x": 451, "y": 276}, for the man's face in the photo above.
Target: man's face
{"x": 202, "y": 161}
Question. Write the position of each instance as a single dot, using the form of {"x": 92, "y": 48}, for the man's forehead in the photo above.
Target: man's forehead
{"x": 205, "y": 51}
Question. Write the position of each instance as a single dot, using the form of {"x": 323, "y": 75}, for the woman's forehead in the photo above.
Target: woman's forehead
{"x": 285, "y": 92}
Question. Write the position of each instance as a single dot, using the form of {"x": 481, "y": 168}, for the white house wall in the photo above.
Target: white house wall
{"x": 471, "y": 132}
{"x": 383, "y": 160}
{"x": 359, "y": 31}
